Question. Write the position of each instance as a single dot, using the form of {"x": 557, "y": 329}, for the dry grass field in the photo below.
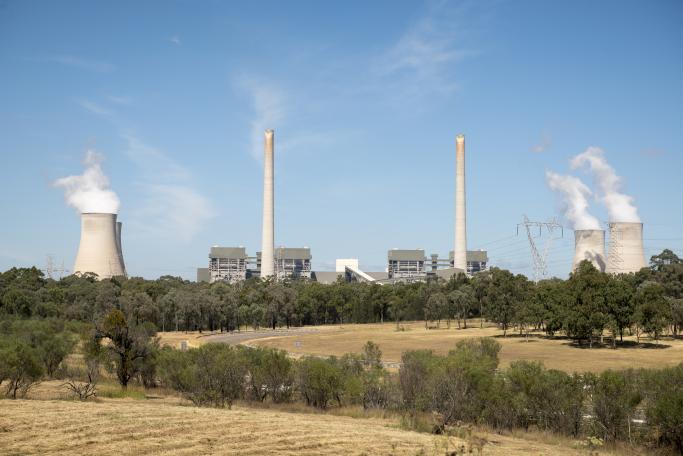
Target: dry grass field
{"x": 167, "y": 425}
{"x": 556, "y": 353}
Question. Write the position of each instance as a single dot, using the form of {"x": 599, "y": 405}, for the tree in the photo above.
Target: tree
{"x": 619, "y": 303}
{"x": 130, "y": 345}
{"x": 587, "y": 316}
{"x": 651, "y": 309}
{"x": 506, "y": 292}
{"x": 20, "y": 366}
{"x": 435, "y": 308}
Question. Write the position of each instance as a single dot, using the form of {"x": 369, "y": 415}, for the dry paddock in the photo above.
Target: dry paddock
{"x": 166, "y": 426}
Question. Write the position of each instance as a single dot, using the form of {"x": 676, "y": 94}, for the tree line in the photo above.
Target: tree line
{"x": 589, "y": 307}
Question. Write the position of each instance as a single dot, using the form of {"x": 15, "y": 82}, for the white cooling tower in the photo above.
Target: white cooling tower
{"x": 99, "y": 251}
{"x": 626, "y": 253}
{"x": 589, "y": 245}
{"x": 460, "y": 250}
{"x": 268, "y": 233}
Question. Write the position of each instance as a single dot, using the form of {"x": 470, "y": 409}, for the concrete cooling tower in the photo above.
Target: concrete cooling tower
{"x": 626, "y": 253}
{"x": 100, "y": 247}
{"x": 589, "y": 245}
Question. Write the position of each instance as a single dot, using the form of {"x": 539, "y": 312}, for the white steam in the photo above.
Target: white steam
{"x": 620, "y": 207}
{"x": 90, "y": 191}
{"x": 574, "y": 200}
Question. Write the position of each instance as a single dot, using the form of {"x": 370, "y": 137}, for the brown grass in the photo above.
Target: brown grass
{"x": 113, "y": 427}
{"x": 165, "y": 424}
{"x": 556, "y": 353}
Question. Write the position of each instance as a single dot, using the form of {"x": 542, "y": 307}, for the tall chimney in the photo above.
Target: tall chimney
{"x": 460, "y": 251}
{"x": 98, "y": 251}
{"x": 268, "y": 233}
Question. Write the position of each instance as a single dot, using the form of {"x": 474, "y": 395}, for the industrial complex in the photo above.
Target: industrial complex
{"x": 100, "y": 250}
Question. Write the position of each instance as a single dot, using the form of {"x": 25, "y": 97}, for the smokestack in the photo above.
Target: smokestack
{"x": 119, "y": 227}
{"x": 99, "y": 251}
{"x": 626, "y": 252}
{"x": 268, "y": 233}
{"x": 589, "y": 245}
{"x": 460, "y": 251}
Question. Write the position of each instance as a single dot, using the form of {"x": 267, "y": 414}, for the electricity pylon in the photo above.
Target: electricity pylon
{"x": 540, "y": 256}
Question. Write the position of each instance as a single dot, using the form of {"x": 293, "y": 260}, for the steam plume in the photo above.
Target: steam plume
{"x": 90, "y": 191}
{"x": 574, "y": 198}
{"x": 620, "y": 207}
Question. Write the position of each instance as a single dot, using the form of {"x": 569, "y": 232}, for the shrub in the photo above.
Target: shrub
{"x": 271, "y": 373}
{"x": 615, "y": 398}
{"x": 320, "y": 381}
{"x": 20, "y": 366}
{"x": 664, "y": 409}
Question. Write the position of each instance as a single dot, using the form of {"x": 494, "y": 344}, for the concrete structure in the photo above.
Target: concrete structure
{"x": 406, "y": 264}
{"x": 342, "y": 263}
{"x": 227, "y": 264}
{"x": 203, "y": 275}
{"x": 460, "y": 246}
{"x": 626, "y": 253}
{"x": 268, "y": 234}
{"x": 477, "y": 261}
{"x": 589, "y": 245}
{"x": 99, "y": 251}
{"x": 290, "y": 263}
{"x": 119, "y": 227}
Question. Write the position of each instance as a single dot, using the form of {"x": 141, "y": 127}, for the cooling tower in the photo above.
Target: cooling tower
{"x": 99, "y": 250}
{"x": 268, "y": 233}
{"x": 460, "y": 250}
{"x": 119, "y": 227}
{"x": 626, "y": 252}
{"x": 589, "y": 245}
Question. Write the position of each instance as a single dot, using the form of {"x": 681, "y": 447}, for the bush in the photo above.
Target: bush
{"x": 615, "y": 398}
{"x": 271, "y": 373}
{"x": 664, "y": 409}
{"x": 217, "y": 377}
{"x": 416, "y": 369}
{"x": 320, "y": 381}
{"x": 551, "y": 400}
{"x": 20, "y": 366}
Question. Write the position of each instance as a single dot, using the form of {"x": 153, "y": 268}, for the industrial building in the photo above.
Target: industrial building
{"x": 406, "y": 264}
{"x": 227, "y": 264}
{"x": 232, "y": 264}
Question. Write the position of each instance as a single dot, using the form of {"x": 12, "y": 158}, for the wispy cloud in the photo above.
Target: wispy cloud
{"x": 81, "y": 63}
{"x": 422, "y": 58}
{"x": 169, "y": 206}
{"x": 268, "y": 104}
{"x": 94, "y": 108}
{"x": 175, "y": 40}
{"x": 543, "y": 145}
{"x": 119, "y": 100}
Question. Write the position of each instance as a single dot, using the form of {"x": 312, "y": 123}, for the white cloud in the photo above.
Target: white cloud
{"x": 421, "y": 60}
{"x": 175, "y": 40}
{"x": 83, "y": 64}
{"x": 169, "y": 207}
{"x": 94, "y": 108}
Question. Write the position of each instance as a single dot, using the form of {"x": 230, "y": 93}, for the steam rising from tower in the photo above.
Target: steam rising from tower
{"x": 268, "y": 233}
{"x": 574, "y": 200}
{"x": 99, "y": 250}
{"x": 90, "y": 191}
{"x": 619, "y": 206}
{"x": 460, "y": 250}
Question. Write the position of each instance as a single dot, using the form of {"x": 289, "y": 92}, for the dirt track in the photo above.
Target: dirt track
{"x": 235, "y": 338}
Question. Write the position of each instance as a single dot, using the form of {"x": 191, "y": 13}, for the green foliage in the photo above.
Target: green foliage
{"x": 615, "y": 398}
{"x": 20, "y": 367}
{"x": 320, "y": 381}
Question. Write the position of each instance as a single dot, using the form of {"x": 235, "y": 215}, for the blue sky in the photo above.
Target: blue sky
{"x": 366, "y": 99}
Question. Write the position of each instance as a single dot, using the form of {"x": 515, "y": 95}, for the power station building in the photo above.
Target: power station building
{"x": 233, "y": 265}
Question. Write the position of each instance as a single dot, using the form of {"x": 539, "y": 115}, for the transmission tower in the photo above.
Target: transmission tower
{"x": 540, "y": 255}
